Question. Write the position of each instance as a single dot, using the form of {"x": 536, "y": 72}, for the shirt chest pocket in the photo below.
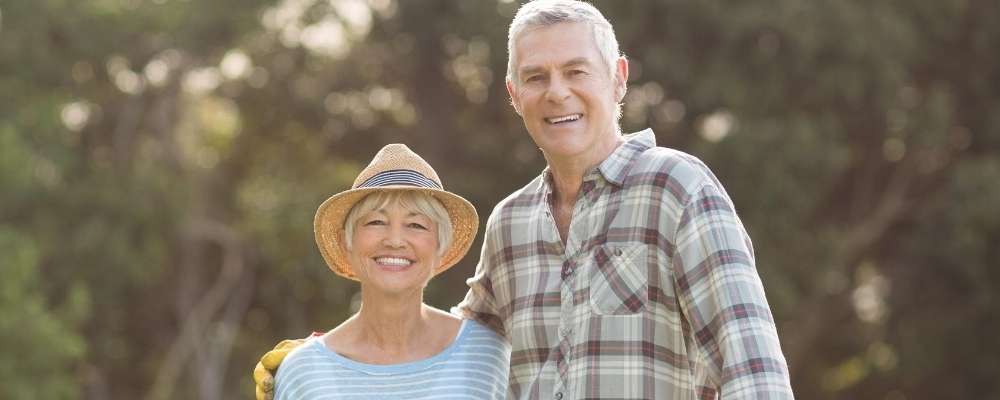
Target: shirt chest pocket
{"x": 618, "y": 280}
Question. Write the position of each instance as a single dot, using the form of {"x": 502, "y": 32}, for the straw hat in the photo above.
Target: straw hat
{"x": 395, "y": 167}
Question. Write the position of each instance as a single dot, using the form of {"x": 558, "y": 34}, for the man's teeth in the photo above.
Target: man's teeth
{"x": 400, "y": 262}
{"x": 567, "y": 118}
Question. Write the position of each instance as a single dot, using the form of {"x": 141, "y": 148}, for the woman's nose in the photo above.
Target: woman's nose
{"x": 394, "y": 238}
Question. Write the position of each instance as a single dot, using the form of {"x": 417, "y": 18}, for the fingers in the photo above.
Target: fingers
{"x": 273, "y": 358}
{"x": 263, "y": 372}
{"x": 263, "y": 378}
{"x": 262, "y": 395}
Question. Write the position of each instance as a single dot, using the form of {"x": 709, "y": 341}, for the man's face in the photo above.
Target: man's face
{"x": 565, "y": 93}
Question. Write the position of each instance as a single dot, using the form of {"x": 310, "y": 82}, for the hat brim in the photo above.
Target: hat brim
{"x": 329, "y": 224}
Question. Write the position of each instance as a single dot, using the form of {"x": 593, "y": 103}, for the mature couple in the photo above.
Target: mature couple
{"x": 621, "y": 272}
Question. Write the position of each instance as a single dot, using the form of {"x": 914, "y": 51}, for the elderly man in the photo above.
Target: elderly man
{"x": 622, "y": 271}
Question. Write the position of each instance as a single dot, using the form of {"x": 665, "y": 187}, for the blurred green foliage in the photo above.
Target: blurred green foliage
{"x": 161, "y": 161}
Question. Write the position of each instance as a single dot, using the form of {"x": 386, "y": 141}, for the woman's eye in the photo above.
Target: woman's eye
{"x": 375, "y": 222}
{"x": 417, "y": 226}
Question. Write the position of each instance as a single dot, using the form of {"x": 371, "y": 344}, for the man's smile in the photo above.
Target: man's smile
{"x": 563, "y": 119}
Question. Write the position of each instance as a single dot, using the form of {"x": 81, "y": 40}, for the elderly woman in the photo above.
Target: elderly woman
{"x": 392, "y": 232}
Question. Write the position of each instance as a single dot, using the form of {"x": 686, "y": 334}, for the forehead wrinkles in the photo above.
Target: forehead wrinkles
{"x": 586, "y": 52}
{"x": 575, "y": 62}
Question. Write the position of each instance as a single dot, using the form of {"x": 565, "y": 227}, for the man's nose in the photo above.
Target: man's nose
{"x": 558, "y": 90}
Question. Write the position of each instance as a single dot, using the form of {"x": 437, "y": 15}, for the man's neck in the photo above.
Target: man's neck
{"x": 567, "y": 177}
{"x": 568, "y": 172}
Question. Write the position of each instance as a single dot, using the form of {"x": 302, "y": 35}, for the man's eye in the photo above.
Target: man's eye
{"x": 577, "y": 72}
{"x": 534, "y": 78}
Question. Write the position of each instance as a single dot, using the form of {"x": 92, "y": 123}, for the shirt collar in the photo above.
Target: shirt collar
{"x": 615, "y": 168}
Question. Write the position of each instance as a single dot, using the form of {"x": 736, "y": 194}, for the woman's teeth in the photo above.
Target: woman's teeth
{"x": 393, "y": 261}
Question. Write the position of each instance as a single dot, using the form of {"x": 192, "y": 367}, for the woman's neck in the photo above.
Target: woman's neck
{"x": 394, "y": 325}
{"x": 392, "y": 330}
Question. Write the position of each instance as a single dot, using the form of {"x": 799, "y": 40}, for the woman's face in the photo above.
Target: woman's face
{"x": 394, "y": 249}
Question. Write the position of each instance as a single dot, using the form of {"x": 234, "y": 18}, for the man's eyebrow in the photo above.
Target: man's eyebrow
{"x": 531, "y": 69}
{"x": 578, "y": 61}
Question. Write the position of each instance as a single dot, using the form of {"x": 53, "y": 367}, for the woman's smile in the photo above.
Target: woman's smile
{"x": 389, "y": 263}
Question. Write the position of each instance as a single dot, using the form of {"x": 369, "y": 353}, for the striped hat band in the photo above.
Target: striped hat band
{"x": 402, "y": 177}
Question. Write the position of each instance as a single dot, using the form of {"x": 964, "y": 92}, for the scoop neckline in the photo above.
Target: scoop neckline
{"x": 405, "y": 367}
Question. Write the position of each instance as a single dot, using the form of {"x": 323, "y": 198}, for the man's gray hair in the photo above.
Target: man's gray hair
{"x": 541, "y": 13}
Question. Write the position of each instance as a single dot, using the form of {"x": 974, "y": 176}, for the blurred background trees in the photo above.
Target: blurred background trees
{"x": 161, "y": 161}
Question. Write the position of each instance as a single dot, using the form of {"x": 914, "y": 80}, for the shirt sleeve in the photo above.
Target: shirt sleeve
{"x": 288, "y": 384}
{"x": 480, "y": 303}
{"x": 723, "y": 299}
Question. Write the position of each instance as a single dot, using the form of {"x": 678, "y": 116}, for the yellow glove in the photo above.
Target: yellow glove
{"x": 263, "y": 373}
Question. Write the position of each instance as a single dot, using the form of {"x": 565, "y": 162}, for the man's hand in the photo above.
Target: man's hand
{"x": 267, "y": 367}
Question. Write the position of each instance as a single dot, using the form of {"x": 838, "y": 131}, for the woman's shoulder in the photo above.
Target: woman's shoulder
{"x": 477, "y": 334}
{"x": 488, "y": 352}
{"x": 479, "y": 328}
{"x": 309, "y": 352}
{"x": 292, "y": 374}
{"x": 472, "y": 325}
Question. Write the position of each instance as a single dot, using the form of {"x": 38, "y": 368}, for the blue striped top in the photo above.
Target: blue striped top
{"x": 474, "y": 366}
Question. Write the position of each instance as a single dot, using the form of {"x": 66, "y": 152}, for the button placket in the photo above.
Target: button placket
{"x": 568, "y": 269}
{"x": 564, "y": 329}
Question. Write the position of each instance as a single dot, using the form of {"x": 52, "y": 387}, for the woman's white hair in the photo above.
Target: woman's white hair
{"x": 410, "y": 200}
{"x": 540, "y": 13}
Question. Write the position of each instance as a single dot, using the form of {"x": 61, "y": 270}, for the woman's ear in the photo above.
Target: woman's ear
{"x": 343, "y": 242}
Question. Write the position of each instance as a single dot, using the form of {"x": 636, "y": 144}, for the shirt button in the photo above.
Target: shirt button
{"x": 618, "y": 252}
{"x": 558, "y": 395}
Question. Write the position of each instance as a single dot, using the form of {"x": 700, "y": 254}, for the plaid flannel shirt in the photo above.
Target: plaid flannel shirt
{"x": 653, "y": 296}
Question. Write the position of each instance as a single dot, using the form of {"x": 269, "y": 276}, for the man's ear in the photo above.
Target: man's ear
{"x": 514, "y": 100}
{"x": 621, "y": 78}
